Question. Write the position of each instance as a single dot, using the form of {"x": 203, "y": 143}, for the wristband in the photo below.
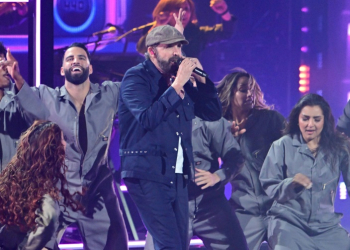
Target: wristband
{"x": 225, "y": 12}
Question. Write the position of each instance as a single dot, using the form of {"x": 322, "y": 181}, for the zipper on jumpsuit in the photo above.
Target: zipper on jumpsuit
{"x": 325, "y": 184}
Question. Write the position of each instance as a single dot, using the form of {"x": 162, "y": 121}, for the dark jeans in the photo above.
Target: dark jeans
{"x": 163, "y": 209}
{"x": 211, "y": 219}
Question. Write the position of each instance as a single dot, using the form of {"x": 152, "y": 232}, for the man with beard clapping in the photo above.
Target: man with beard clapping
{"x": 85, "y": 112}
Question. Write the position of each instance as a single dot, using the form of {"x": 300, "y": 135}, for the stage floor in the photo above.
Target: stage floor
{"x": 139, "y": 245}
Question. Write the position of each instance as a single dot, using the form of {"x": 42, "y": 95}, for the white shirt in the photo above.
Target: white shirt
{"x": 179, "y": 159}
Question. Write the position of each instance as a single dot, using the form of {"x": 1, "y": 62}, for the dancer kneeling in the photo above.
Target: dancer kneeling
{"x": 32, "y": 187}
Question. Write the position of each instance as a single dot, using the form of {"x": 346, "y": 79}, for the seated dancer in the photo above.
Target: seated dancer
{"x": 301, "y": 173}
{"x": 32, "y": 187}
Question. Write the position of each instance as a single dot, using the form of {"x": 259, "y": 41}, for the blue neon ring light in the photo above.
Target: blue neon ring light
{"x": 73, "y": 29}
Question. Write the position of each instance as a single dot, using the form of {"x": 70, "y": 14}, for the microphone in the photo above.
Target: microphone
{"x": 102, "y": 32}
{"x": 144, "y": 26}
{"x": 119, "y": 28}
{"x": 196, "y": 70}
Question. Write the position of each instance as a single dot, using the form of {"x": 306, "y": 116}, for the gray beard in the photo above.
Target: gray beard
{"x": 167, "y": 66}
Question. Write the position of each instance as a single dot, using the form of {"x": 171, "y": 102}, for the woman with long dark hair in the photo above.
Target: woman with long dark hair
{"x": 33, "y": 186}
{"x": 301, "y": 173}
{"x": 255, "y": 126}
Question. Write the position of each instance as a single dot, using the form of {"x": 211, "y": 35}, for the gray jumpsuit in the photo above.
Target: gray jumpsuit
{"x": 15, "y": 121}
{"x": 303, "y": 218}
{"x": 248, "y": 199}
{"x": 211, "y": 218}
{"x": 102, "y": 225}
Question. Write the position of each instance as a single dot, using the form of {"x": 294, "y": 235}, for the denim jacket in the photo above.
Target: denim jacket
{"x": 152, "y": 116}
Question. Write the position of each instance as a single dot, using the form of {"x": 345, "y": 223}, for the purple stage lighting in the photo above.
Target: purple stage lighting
{"x": 304, "y": 49}
{"x": 305, "y": 29}
{"x": 305, "y": 9}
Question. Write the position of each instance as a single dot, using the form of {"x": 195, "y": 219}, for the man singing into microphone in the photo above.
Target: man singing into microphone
{"x": 157, "y": 104}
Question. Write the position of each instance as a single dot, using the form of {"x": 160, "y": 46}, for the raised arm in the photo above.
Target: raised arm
{"x": 27, "y": 99}
{"x": 219, "y": 32}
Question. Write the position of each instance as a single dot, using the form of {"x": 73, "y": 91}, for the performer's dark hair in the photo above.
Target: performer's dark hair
{"x": 36, "y": 169}
{"x": 228, "y": 86}
{"x": 82, "y": 46}
{"x": 332, "y": 142}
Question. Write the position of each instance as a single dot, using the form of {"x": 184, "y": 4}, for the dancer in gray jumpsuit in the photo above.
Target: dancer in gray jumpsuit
{"x": 301, "y": 173}
{"x": 210, "y": 215}
{"x": 255, "y": 126}
{"x": 85, "y": 112}
{"x": 211, "y": 218}
{"x": 13, "y": 121}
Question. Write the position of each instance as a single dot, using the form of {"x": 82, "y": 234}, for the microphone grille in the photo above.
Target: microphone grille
{"x": 179, "y": 61}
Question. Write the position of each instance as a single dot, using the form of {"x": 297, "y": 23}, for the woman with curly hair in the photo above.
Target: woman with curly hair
{"x": 255, "y": 127}
{"x": 301, "y": 174}
{"x": 32, "y": 187}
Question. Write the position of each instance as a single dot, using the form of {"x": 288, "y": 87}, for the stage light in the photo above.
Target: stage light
{"x": 304, "y": 68}
{"x": 304, "y": 82}
{"x": 304, "y": 49}
{"x": 304, "y": 75}
{"x": 37, "y": 42}
{"x": 73, "y": 5}
{"x": 305, "y": 29}
{"x": 304, "y": 89}
{"x": 305, "y": 9}
{"x": 131, "y": 244}
{"x": 304, "y": 78}
{"x": 342, "y": 191}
